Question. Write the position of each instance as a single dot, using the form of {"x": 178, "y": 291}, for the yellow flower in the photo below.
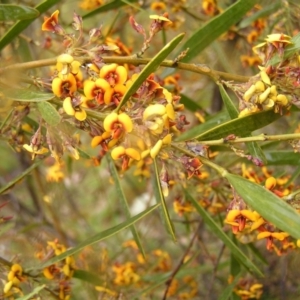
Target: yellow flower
{"x": 64, "y": 85}
{"x": 126, "y": 154}
{"x": 113, "y": 74}
{"x": 118, "y": 125}
{"x": 35, "y": 150}
{"x": 66, "y": 64}
{"x": 78, "y": 112}
{"x": 100, "y": 90}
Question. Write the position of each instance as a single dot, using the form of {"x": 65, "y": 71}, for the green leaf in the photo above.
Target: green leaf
{"x": 33, "y": 293}
{"x": 83, "y": 154}
{"x": 49, "y": 113}
{"x": 13, "y": 12}
{"x": 152, "y": 65}
{"x": 279, "y": 158}
{"x": 262, "y": 13}
{"x": 216, "y": 27}
{"x": 20, "y": 26}
{"x": 189, "y": 103}
{"x": 240, "y": 127}
{"x": 218, "y": 231}
{"x": 256, "y": 151}
{"x": 88, "y": 277}
{"x": 233, "y": 112}
{"x": 226, "y": 293}
{"x": 20, "y": 177}
{"x": 99, "y": 237}
{"x": 267, "y": 204}
{"x": 124, "y": 201}
{"x": 161, "y": 200}
{"x": 27, "y": 95}
{"x": 107, "y": 7}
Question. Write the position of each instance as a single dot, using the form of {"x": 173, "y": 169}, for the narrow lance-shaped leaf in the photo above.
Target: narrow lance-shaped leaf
{"x": 33, "y": 293}
{"x": 253, "y": 147}
{"x": 230, "y": 107}
{"x": 216, "y": 27}
{"x": 189, "y": 103}
{"x": 267, "y": 204}
{"x": 240, "y": 127}
{"x": 124, "y": 201}
{"x": 26, "y": 95}
{"x": 152, "y": 65}
{"x": 161, "y": 200}
{"x": 279, "y": 158}
{"x": 99, "y": 236}
{"x": 20, "y": 177}
{"x": 16, "y": 29}
{"x": 13, "y": 12}
{"x": 89, "y": 277}
{"x": 218, "y": 231}
{"x": 49, "y": 113}
{"x": 227, "y": 292}
{"x": 107, "y": 7}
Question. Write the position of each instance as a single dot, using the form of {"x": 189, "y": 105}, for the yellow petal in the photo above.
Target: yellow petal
{"x": 88, "y": 89}
{"x": 109, "y": 121}
{"x": 117, "y": 152}
{"x": 7, "y": 287}
{"x": 263, "y": 235}
{"x": 80, "y": 115}
{"x": 155, "y": 150}
{"x": 154, "y": 110}
{"x": 65, "y": 58}
{"x": 57, "y": 86}
{"x": 126, "y": 122}
{"x": 232, "y": 214}
{"x": 68, "y": 108}
{"x": 133, "y": 153}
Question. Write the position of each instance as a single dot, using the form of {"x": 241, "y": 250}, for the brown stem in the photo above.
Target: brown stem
{"x": 196, "y": 68}
{"x": 181, "y": 262}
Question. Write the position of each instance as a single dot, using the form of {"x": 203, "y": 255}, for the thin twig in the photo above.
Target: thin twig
{"x": 196, "y": 68}
{"x": 181, "y": 262}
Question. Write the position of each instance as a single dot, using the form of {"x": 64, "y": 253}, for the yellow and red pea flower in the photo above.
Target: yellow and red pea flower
{"x": 77, "y": 111}
{"x": 118, "y": 124}
{"x": 270, "y": 236}
{"x": 113, "y": 74}
{"x": 126, "y": 154}
{"x": 64, "y": 85}
{"x": 237, "y": 218}
{"x": 100, "y": 90}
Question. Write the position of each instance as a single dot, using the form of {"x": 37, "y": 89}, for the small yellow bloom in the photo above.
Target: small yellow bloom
{"x": 64, "y": 85}
{"x": 118, "y": 125}
{"x": 113, "y": 74}
{"x": 100, "y": 90}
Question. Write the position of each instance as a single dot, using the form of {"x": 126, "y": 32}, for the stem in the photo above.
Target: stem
{"x": 181, "y": 262}
{"x": 257, "y": 138}
{"x": 196, "y": 68}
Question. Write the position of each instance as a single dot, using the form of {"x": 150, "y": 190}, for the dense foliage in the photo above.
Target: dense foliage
{"x": 149, "y": 149}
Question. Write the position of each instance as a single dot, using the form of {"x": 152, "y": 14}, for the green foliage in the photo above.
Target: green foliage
{"x": 93, "y": 131}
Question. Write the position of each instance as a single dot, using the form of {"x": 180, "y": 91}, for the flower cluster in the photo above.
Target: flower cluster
{"x": 61, "y": 273}
{"x": 243, "y": 220}
{"x": 14, "y": 278}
